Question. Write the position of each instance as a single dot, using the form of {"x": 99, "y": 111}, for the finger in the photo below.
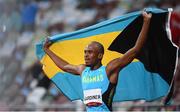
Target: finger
{"x": 144, "y": 13}
{"x": 150, "y": 14}
{"x": 147, "y": 11}
{"x": 144, "y": 10}
{"x": 47, "y": 39}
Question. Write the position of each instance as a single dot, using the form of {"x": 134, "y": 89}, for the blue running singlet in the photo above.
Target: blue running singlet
{"x": 97, "y": 79}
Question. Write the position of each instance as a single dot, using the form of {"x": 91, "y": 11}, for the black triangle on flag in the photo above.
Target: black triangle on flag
{"x": 158, "y": 54}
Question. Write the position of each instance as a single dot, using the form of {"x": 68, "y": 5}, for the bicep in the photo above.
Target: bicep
{"x": 118, "y": 63}
{"x": 128, "y": 57}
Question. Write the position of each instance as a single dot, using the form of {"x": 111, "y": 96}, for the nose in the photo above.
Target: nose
{"x": 86, "y": 55}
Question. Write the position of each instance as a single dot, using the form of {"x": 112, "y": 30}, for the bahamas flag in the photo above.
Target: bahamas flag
{"x": 148, "y": 77}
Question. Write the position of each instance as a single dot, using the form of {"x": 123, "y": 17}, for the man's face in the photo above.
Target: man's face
{"x": 91, "y": 55}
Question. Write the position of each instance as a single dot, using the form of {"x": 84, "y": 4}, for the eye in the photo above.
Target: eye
{"x": 86, "y": 51}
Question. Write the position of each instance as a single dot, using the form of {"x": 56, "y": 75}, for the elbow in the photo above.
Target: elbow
{"x": 65, "y": 68}
{"x": 136, "y": 51}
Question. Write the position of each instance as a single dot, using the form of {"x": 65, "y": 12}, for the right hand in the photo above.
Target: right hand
{"x": 47, "y": 44}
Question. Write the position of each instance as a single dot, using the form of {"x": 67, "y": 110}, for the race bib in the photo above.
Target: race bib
{"x": 92, "y": 96}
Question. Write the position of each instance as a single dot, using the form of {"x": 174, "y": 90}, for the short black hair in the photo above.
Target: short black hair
{"x": 100, "y": 46}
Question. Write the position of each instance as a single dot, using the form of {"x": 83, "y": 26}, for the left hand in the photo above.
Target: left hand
{"x": 146, "y": 16}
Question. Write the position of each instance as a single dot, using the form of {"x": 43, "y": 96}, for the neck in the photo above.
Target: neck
{"x": 96, "y": 66}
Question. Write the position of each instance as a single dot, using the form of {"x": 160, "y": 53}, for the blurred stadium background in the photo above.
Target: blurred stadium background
{"x": 25, "y": 22}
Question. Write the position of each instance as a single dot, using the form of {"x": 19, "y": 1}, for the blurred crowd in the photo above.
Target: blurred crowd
{"x": 23, "y": 86}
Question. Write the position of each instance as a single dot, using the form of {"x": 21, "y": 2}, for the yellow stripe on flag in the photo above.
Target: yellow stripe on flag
{"x": 73, "y": 51}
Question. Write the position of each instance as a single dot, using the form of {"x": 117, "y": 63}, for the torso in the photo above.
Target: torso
{"x": 92, "y": 79}
{"x": 97, "y": 79}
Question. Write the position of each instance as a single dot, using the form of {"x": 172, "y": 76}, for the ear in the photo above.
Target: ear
{"x": 100, "y": 55}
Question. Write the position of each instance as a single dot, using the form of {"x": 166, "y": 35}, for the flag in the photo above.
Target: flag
{"x": 147, "y": 77}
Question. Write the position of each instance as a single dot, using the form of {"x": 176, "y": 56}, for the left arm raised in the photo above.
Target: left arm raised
{"x": 114, "y": 66}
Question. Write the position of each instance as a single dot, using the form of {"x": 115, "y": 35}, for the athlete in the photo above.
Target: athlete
{"x": 98, "y": 81}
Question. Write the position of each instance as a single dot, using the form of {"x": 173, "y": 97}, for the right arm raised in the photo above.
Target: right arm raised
{"x": 62, "y": 64}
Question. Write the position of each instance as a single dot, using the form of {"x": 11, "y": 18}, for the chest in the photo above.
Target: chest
{"x": 94, "y": 79}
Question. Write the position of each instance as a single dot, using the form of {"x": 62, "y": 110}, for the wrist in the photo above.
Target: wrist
{"x": 146, "y": 20}
{"x": 45, "y": 50}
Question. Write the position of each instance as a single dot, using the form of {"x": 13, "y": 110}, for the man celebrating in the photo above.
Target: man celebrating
{"x": 99, "y": 82}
